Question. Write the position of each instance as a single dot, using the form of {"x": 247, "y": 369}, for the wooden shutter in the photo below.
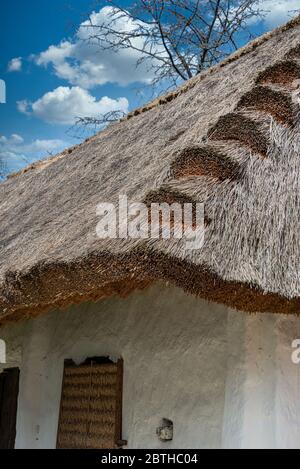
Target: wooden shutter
{"x": 91, "y": 405}
{"x": 9, "y": 390}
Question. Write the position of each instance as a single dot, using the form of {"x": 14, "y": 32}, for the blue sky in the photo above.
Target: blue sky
{"x": 44, "y": 86}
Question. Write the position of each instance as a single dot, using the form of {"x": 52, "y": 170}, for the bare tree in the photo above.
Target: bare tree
{"x": 173, "y": 39}
{"x": 85, "y": 126}
{"x": 176, "y": 38}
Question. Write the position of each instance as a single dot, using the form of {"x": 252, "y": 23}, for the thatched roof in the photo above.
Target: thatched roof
{"x": 229, "y": 137}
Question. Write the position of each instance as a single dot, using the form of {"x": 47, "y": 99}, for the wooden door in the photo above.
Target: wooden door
{"x": 9, "y": 390}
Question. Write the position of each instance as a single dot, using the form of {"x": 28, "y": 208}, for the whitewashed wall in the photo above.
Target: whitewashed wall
{"x": 225, "y": 379}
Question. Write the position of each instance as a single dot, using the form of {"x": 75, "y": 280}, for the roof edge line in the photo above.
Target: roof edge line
{"x": 186, "y": 86}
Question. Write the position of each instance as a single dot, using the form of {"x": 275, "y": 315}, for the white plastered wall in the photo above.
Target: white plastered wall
{"x": 224, "y": 378}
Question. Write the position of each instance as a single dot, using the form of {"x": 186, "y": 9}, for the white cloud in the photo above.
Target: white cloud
{"x": 279, "y": 12}
{"x": 16, "y": 139}
{"x": 23, "y": 106}
{"x": 16, "y": 153}
{"x": 63, "y": 105}
{"x": 82, "y": 63}
{"x": 15, "y": 65}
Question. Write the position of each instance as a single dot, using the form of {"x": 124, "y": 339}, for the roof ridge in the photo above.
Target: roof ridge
{"x": 186, "y": 86}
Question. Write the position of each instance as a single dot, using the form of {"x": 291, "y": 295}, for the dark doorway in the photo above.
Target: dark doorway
{"x": 9, "y": 390}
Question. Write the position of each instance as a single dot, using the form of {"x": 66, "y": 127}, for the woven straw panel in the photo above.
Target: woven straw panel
{"x": 90, "y": 411}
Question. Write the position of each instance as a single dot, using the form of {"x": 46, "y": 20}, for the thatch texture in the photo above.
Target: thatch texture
{"x": 90, "y": 417}
{"x": 229, "y": 138}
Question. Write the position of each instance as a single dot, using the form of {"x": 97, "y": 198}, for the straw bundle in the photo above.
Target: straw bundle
{"x": 90, "y": 413}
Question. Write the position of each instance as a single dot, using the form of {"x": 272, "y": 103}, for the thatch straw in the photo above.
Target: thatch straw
{"x": 272, "y": 102}
{"x": 204, "y": 161}
{"x": 238, "y": 127}
{"x": 283, "y": 73}
{"x": 89, "y": 414}
{"x": 211, "y": 141}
